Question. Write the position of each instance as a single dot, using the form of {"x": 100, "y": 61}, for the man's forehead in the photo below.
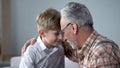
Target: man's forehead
{"x": 62, "y": 22}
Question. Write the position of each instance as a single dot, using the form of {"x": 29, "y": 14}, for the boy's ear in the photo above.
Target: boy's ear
{"x": 41, "y": 32}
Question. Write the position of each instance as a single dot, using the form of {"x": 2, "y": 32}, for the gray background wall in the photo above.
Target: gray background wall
{"x": 105, "y": 14}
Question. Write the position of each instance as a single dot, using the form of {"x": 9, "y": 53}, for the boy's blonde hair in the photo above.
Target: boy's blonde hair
{"x": 49, "y": 20}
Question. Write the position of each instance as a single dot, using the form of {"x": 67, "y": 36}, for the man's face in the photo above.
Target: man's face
{"x": 67, "y": 32}
{"x": 52, "y": 37}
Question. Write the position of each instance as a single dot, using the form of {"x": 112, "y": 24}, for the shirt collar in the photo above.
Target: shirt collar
{"x": 40, "y": 42}
{"x": 87, "y": 45}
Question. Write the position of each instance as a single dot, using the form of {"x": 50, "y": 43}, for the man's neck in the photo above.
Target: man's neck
{"x": 82, "y": 36}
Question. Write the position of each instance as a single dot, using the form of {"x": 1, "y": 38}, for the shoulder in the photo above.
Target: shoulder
{"x": 105, "y": 49}
{"x": 31, "y": 50}
{"x": 104, "y": 54}
{"x": 29, "y": 55}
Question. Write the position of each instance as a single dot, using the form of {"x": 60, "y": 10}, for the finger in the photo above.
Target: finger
{"x": 25, "y": 46}
{"x": 33, "y": 40}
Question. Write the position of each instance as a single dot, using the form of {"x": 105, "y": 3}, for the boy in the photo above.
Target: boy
{"x": 46, "y": 52}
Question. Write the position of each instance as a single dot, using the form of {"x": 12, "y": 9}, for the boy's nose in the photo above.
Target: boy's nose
{"x": 60, "y": 37}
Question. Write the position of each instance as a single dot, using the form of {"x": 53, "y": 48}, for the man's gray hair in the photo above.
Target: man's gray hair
{"x": 76, "y": 12}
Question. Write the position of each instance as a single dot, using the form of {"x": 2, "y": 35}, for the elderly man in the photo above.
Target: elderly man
{"x": 93, "y": 50}
{"x": 89, "y": 48}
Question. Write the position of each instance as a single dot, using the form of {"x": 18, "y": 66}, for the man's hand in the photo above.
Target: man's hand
{"x": 31, "y": 41}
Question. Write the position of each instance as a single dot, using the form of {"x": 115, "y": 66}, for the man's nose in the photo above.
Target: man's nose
{"x": 61, "y": 37}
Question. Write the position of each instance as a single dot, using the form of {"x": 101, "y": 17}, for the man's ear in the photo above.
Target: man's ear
{"x": 75, "y": 28}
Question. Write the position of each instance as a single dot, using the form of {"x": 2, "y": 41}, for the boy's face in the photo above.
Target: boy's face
{"x": 52, "y": 37}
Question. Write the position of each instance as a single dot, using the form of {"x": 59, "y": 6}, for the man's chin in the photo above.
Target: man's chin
{"x": 74, "y": 46}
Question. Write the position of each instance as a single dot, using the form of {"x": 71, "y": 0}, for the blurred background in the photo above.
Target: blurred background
{"x": 17, "y": 21}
